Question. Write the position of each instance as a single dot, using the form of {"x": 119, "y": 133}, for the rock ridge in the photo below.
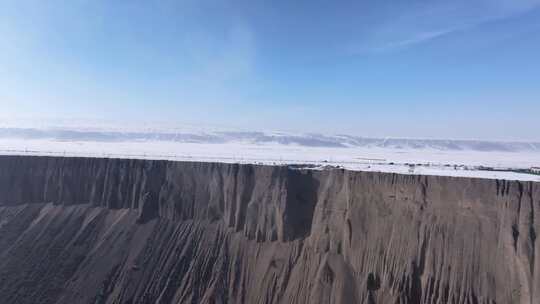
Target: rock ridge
{"x": 89, "y": 230}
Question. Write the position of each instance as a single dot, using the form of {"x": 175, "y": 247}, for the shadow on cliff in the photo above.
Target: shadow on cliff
{"x": 302, "y": 190}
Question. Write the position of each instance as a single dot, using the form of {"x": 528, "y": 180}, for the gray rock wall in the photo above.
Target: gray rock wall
{"x": 88, "y": 230}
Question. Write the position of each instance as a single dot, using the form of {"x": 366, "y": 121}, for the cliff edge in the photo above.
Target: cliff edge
{"x": 90, "y": 230}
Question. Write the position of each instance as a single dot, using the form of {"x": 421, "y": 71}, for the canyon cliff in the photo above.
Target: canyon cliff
{"x": 104, "y": 231}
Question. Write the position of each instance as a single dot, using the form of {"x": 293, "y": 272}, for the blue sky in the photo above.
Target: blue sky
{"x": 443, "y": 69}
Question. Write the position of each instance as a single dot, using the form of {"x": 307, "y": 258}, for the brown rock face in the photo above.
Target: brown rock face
{"x": 82, "y": 230}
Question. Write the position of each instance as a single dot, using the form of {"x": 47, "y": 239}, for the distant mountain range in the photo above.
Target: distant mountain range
{"x": 307, "y": 140}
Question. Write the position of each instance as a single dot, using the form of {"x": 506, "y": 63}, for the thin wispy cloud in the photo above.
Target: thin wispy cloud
{"x": 418, "y": 38}
{"x": 433, "y": 21}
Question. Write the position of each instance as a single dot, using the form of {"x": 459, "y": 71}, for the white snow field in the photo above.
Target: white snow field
{"x": 497, "y": 160}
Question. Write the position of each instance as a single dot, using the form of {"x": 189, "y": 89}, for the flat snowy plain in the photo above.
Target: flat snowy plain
{"x": 431, "y": 157}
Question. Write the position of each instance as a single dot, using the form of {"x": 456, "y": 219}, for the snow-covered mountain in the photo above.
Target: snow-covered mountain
{"x": 225, "y": 136}
{"x": 473, "y": 158}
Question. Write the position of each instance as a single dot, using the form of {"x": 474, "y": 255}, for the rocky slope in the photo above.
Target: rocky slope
{"x": 88, "y": 230}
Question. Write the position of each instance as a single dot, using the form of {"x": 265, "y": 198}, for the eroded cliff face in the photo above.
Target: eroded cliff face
{"x": 83, "y": 230}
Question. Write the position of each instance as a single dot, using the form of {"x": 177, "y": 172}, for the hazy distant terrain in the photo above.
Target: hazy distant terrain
{"x": 306, "y": 140}
{"x": 196, "y": 143}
